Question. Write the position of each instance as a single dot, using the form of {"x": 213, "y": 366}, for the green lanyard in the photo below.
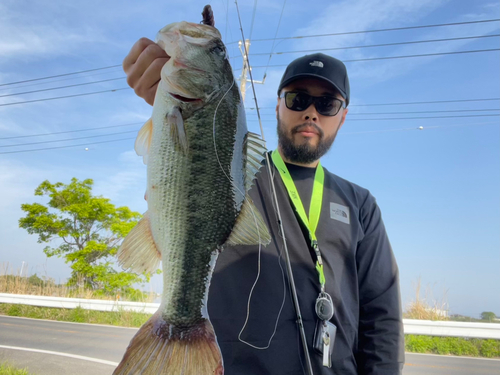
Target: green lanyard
{"x": 310, "y": 222}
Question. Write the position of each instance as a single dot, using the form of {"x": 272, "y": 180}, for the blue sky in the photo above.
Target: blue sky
{"x": 438, "y": 187}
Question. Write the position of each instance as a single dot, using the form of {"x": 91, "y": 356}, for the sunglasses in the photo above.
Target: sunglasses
{"x": 300, "y": 101}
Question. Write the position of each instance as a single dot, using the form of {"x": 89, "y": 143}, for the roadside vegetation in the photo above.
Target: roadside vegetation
{"x": 78, "y": 315}
{"x": 11, "y": 281}
{"x": 6, "y": 369}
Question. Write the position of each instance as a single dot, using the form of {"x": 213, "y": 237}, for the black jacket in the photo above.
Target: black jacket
{"x": 361, "y": 276}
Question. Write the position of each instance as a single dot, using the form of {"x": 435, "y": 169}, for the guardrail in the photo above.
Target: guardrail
{"x": 411, "y": 326}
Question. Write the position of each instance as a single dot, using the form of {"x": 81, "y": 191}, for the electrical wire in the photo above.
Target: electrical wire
{"x": 72, "y": 131}
{"x": 275, "y": 34}
{"x": 397, "y": 113}
{"x": 68, "y": 139}
{"x": 253, "y": 18}
{"x": 60, "y": 75}
{"x": 409, "y": 103}
{"x": 394, "y": 57}
{"x": 379, "y": 45}
{"x": 67, "y": 96}
{"x": 374, "y": 31}
{"x": 63, "y": 87}
{"x": 78, "y": 145}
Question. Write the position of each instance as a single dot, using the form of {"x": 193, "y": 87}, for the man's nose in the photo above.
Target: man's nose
{"x": 310, "y": 113}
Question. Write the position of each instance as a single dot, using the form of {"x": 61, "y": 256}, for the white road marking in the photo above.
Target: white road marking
{"x": 61, "y": 354}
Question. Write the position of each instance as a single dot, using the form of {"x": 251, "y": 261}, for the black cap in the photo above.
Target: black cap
{"x": 320, "y": 66}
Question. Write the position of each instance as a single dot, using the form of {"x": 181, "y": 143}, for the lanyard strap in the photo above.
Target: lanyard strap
{"x": 310, "y": 222}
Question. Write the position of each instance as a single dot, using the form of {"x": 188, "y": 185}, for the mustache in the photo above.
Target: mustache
{"x": 299, "y": 128}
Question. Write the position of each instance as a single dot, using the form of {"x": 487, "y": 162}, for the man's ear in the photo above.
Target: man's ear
{"x": 343, "y": 118}
{"x": 277, "y": 107}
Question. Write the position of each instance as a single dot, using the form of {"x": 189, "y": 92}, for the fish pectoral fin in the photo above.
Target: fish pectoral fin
{"x": 138, "y": 251}
{"x": 250, "y": 228}
{"x": 143, "y": 141}
{"x": 255, "y": 150}
{"x": 177, "y": 132}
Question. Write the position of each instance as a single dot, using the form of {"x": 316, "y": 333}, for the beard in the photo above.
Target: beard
{"x": 303, "y": 152}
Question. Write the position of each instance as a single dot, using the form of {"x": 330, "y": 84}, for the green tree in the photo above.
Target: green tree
{"x": 90, "y": 230}
{"x": 488, "y": 315}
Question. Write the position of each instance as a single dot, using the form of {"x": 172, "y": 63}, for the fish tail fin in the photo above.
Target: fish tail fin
{"x": 159, "y": 348}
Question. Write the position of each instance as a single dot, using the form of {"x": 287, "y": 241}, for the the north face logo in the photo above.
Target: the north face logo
{"x": 319, "y": 64}
{"x": 339, "y": 212}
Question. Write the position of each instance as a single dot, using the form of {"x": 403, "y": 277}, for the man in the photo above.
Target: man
{"x": 341, "y": 258}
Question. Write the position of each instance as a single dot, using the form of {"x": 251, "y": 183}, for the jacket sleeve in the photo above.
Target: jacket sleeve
{"x": 380, "y": 332}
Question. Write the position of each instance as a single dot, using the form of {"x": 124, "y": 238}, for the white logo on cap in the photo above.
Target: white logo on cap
{"x": 316, "y": 63}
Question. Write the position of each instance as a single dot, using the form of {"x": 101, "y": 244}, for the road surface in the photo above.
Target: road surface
{"x": 59, "y": 348}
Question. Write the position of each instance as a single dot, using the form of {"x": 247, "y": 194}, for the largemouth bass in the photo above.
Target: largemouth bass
{"x": 201, "y": 162}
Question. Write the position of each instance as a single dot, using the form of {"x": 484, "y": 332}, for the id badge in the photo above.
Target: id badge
{"x": 324, "y": 338}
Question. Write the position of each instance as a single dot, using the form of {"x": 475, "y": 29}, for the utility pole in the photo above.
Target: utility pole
{"x": 245, "y": 69}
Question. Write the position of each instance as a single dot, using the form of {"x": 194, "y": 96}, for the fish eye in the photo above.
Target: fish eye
{"x": 219, "y": 49}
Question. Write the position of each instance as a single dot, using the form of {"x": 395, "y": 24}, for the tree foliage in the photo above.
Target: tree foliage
{"x": 88, "y": 230}
{"x": 488, "y": 315}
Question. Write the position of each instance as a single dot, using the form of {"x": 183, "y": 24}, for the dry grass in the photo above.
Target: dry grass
{"x": 426, "y": 307}
{"x": 19, "y": 282}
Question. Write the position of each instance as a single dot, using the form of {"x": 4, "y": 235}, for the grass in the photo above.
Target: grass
{"x": 422, "y": 309}
{"x": 453, "y": 346}
{"x": 119, "y": 318}
{"x": 6, "y": 369}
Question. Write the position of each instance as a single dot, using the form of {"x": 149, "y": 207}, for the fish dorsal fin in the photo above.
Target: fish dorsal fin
{"x": 177, "y": 132}
{"x": 250, "y": 228}
{"x": 255, "y": 149}
{"x": 143, "y": 141}
{"x": 138, "y": 250}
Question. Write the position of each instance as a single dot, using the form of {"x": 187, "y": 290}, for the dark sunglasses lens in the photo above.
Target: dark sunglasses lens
{"x": 328, "y": 106}
{"x": 297, "y": 101}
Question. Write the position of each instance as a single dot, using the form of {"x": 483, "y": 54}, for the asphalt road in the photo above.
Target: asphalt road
{"x": 58, "y": 348}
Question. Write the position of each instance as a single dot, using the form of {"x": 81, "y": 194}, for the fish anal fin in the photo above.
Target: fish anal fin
{"x": 143, "y": 140}
{"x": 138, "y": 250}
{"x": 160, "y": 348}
{"x": 250, "y": 228}
{"x": 255, "y": 150}
{"x": 176, "y": 123}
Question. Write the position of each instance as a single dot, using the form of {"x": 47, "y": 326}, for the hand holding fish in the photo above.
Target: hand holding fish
{"x": 142, "y": 66}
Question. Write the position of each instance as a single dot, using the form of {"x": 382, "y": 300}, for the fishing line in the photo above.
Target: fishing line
{"x": 260, "y": 244}
{"x": 287, "y": 256}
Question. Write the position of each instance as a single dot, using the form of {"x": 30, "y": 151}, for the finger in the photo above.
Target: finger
{"x": 135, "y": 52}
{"x": 148, "y": 83}
{"x": 148, "y": 56}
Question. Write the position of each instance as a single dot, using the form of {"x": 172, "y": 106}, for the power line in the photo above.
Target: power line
{"x": 404, "y": 118}
{"x": 373, "y": 31}
{"x": 61, "y": 75}
{"x": 275, "y": 34}
{"x": 62, "y": 97}
{"x": 394, "y": 57}
{"x": 420, "y": 128}
{"x": 378, "y": 45}
{"x": 68, "y": 139}
{"x": 62, "y": 87}
{"x": 55, "y": 80}
{"x": 253, "y": 18}
{"x": 404, "y": 103}
{"x": 428, "y": 102}
{"x": 73, "y": 131}
{"x": 415, "y": 112}
{"x": 53, "y": 148}
{"x": 418, "y": 118}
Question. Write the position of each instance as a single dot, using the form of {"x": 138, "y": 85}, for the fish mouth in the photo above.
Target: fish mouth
{"x": 184, "y": 99}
